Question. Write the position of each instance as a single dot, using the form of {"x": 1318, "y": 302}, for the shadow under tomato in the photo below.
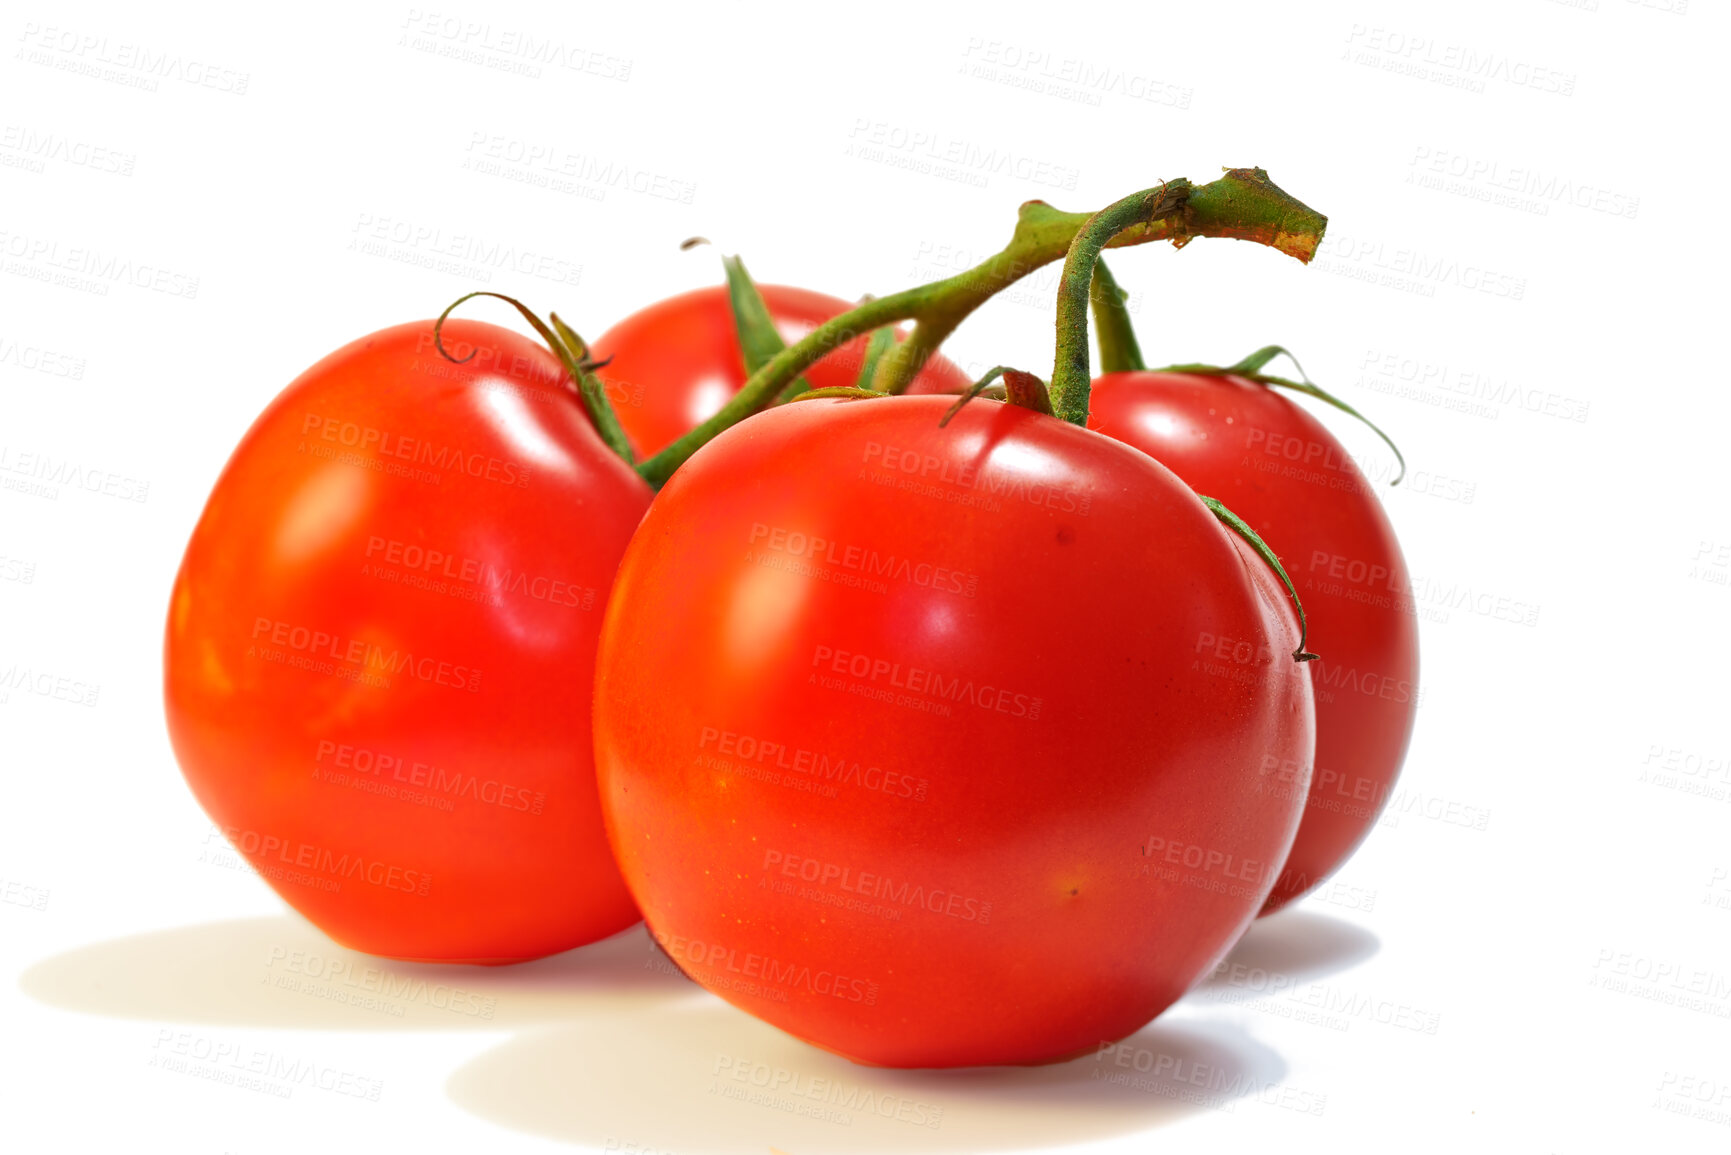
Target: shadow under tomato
{"x": 1300, "y": 944}
{"x": 283, "y": 972}
{"x": 702, "y": 1076}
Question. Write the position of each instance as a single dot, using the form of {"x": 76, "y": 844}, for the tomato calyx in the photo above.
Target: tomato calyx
{"x": 758, "y": 338}
{"x": 1019, "y": 388}
{"x": 1250, "y": 369}
{"x": 843, "y": 392}
{"x": 1242, "y": 528}
{"x": 572, "y": 352}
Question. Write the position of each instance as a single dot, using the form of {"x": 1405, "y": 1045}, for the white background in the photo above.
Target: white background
{"x": 1522, "y": 283}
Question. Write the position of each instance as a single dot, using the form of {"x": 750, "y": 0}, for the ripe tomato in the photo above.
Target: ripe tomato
{"x": 1282, "y": 471}
{"x": 381, "y": 642}
{"x": 678, "y": 361}
{"x": 911, "y": 740}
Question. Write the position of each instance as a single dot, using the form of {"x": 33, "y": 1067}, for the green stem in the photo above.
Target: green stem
{"x": 1243, "y": 530}
{"x": 572, "y": 353}
{"x": 973, "y": 391}
{"x": 1244, "y": 204}
{"x": 1119, "y": 351}
{"x": 758, "y": 338}
{"x": 880, "y": 342}
{"x": 844, "y": 392}
{"x": 763, "y": 385}
{"x": 1070, "y": 372}
{"x": 593, "y": 392}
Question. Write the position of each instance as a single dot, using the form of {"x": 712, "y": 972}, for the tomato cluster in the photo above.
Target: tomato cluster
{"x": 937, "y": 729}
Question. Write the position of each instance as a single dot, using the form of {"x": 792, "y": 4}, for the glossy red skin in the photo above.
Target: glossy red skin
{"x": 1282, "y": 471}
{"x": 1042, "y": 811}
{"x": 675, "y": 363}
{"x": 500, "y": 820}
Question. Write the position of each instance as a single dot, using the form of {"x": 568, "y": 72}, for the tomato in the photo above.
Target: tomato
{"x": 678, "y": 361}
{"x": 1282, "y": 471}
{"x": 381, "y": 643}
{"x": 944, "y": 746}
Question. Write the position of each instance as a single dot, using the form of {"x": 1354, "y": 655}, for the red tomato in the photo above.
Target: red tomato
{"x": 912, "y": 740}
{"x": 1280, "y": 469}
{"x": 381, "y": 643}
{"x": 677, "y": 362}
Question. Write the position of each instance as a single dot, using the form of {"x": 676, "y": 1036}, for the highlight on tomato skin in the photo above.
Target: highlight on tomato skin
{"x": 673, "y": 364}
{"x": 1281, "y": 469}
{"x": 909, "y": 743}
{"x": 380, "y": 645}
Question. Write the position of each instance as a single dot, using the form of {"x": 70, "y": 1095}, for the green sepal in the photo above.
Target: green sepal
{"x": 1239, "y": 526}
